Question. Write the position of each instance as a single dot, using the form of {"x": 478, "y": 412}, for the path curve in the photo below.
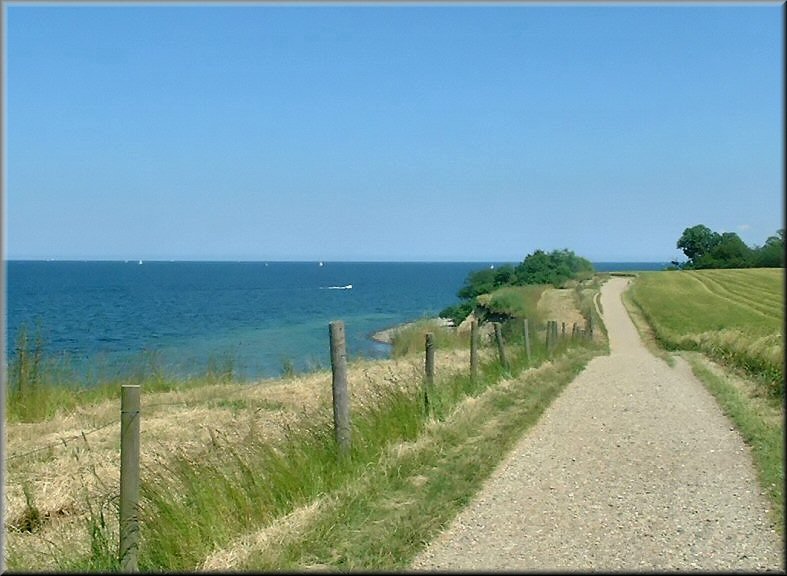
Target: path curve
{"x": 633, "y": 467}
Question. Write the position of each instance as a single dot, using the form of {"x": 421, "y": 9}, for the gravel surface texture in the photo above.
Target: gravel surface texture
{"x": 633, "y": 467}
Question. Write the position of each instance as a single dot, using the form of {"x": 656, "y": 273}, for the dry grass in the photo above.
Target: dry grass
{"x": 561, "y": 305}
{"x": 71, "y": 463}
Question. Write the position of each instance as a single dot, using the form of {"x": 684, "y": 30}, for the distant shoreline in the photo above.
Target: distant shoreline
{"x": 386, "y": 335}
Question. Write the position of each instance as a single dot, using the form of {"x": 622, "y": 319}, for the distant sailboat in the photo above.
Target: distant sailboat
{"x": 321, "y": 264}
{"x": 140, "y": 261}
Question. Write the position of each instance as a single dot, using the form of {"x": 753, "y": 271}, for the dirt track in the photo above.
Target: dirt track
{"x": 633, "y": 467}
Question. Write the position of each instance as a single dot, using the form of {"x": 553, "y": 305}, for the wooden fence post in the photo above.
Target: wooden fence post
{"x": 428, "y": 368}
{"x": 554, "y": 333}
{"x": 429, "y": 364}
{"x": 549, "y": 336}
{"x": 574, "y": 332}
{"x": 129, "y": 477}
{"x": 474, "y": 349}
{"x": 527, "y": 341}
{"x": 341, "y": 397}
{"x": 500, "y": 348}
{"x": 563, "y": 331}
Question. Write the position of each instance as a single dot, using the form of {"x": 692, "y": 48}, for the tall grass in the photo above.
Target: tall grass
{"x": 517, "y": 301}
{"x": 410, "y": 339}
{"x": 195, "y": 504}
{"x": 382, "y": 519}
{"x": 40, "y": 386}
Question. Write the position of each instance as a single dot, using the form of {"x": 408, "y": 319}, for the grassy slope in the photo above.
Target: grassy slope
{"x": 733, "y": 316}
{"x": 385, "y": 517}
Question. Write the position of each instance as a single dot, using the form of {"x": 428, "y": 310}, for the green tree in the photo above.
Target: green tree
{"x": 554, "y": 268}
{"x": 771, "y": 255}
{"x": 477, "y": 282}
{"x": 697, "y": 241}
{"x": 729, "y": 252}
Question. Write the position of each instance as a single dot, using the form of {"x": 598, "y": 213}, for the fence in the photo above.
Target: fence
{"x": 130, "y": 413}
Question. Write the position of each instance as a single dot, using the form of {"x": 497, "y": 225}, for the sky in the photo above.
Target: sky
{"x": 388, "y": 132}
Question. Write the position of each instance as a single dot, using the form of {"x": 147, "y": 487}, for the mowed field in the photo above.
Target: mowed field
{"x": 733, "y": 316}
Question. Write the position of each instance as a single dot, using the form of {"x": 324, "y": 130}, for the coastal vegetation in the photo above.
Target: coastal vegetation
{"x": 246, "y": 476}
{"x": 705, "y": 248}
{"x": 41, "y": 386}
{"x": 735, "y": 318}
{"x": 556, "y": 268}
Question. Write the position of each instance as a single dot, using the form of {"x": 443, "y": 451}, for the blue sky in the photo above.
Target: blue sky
{"x": 388, "y": 131}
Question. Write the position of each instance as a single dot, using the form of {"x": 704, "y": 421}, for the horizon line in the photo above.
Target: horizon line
{"x": 316, "y": 260}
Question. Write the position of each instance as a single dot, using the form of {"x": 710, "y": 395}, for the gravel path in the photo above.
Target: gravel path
{"x": 633, "y": 467}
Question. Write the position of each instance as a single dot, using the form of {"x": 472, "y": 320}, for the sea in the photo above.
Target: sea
{"x": 262, "y": 319}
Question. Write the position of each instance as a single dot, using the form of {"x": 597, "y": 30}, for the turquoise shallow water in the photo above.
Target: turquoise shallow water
{"x": 259, "y": 315}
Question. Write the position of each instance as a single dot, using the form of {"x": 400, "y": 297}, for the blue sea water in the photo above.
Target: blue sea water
{"x": 259, "y": 315}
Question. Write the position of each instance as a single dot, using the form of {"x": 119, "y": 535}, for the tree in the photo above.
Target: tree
{"x": 697, "y": 241}
{"x": 729, "y": 252}
{"x": 707, "y": 249}
{"x": 771, "y": 255}
{"x": 554, "y": 268}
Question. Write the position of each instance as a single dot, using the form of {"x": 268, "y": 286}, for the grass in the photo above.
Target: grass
{"x": 516, "y": 301}
{"x": 410, "y": 338}
{"x": 733, "y": 316}
{"x": 40, "y": 387}
{"x": 382, "y": 519}
{"x": 232, "y": 489}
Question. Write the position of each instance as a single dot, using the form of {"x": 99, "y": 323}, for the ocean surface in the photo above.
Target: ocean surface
{"x": 108, "y": 318}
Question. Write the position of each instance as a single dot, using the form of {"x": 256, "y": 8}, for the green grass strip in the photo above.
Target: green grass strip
{"x": 384, "y": 518}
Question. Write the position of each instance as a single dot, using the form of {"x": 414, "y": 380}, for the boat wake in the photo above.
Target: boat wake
{"x": 348, "y": 287}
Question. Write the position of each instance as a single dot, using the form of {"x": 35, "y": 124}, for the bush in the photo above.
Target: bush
{"x": 557, "y": 268}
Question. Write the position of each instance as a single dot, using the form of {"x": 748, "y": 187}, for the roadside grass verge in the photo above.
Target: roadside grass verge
{"x": 761, "y": 424}
{"x": 385, "y": 517}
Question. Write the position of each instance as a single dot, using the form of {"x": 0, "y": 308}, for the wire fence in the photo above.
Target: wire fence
{"x": 129, "y": 418}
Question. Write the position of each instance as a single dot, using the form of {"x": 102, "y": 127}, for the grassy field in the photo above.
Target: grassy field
{"x": 735, "y": 318}
{"x": 237, "y": 475}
